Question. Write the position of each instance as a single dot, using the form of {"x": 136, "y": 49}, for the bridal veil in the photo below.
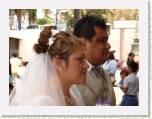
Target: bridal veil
{"x": 39, "y": 85}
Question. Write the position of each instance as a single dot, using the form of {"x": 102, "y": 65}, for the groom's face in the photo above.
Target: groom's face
{"x": 97, "y": 49}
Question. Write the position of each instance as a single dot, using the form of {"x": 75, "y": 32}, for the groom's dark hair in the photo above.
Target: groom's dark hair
{"x": 85, "y": 27}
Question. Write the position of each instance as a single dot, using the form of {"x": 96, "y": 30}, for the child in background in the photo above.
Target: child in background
{"x": 123, "y": 74}
{"x": 130, "y": 86}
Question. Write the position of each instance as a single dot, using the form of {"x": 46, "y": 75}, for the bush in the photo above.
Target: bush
{"x": 49, "y": 20}
{"x": 41, "y": 21}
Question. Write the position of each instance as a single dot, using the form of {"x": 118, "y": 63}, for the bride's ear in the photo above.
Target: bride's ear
{"x": 57, "y": 61}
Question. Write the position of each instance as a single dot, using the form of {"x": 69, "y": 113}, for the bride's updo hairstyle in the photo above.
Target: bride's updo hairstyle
{"x": 64, "y": 44}
{"x": 42, "y": 45}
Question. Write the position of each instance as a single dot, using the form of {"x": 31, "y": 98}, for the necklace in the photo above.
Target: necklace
{"x": 69, "y": 100}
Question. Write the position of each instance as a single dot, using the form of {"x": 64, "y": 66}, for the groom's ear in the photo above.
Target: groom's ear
{"x": 84, "y": 42}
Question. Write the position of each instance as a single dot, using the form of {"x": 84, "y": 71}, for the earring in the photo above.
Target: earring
{"x": 60, "y": 68}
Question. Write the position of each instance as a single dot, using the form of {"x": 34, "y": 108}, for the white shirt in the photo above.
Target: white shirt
{"x": 15, "y": 63}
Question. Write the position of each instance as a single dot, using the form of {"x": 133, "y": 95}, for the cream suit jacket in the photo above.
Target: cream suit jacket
{"x": 94, "y": 85}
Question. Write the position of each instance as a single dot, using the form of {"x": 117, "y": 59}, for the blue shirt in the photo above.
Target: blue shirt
{"x": 110, "y": 66}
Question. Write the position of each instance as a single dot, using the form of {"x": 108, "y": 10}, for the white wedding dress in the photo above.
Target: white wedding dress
{"x": 40, "y": 86}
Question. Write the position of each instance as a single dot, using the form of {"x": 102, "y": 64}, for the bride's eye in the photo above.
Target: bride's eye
{"x": 82, "y": 59}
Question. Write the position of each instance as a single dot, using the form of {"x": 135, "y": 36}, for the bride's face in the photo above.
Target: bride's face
{"x": 75, "y": 69}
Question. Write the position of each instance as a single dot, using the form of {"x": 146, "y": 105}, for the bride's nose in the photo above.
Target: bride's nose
{"x": 86, "y": 65}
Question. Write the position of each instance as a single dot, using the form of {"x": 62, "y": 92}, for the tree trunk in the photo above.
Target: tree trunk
{"x": 19, "y": 13}
{"x": 46, "y": 13}
{"x": 77, "y": 15}
{"x": 30, "y": 19}
{"x": 32, "y": 16}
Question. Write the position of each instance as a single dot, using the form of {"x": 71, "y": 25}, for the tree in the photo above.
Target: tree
{"x": 69, "y": 18}
{"x": 95, "y": 12}
{"x": 72, "y": 15}
{"x": 126, "y": 14}
{"x": 46, "y": 12}
{"x": 47, "y": 20}
{"x": 18, "y": 12}
{"x": 32, "y": 16}
{"x": 77, "y": 15}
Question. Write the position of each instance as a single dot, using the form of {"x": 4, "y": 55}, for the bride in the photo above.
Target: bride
{"x": 50, "y": 76}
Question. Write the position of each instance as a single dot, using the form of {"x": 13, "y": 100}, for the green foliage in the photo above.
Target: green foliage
{"x": 108, "y": 14}
{"x": 69, "y": 15}
{"x": 49, "y": 20}
{"x": 32, "y": 13}
{"x": 69, "y": 19}
{"x": 43, "y": 21}
{"x": 96, "y": 12}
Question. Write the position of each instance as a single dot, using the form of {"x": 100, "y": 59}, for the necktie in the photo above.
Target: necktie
{"x": 98, "y": 71}
{"x": 102, "y": 97}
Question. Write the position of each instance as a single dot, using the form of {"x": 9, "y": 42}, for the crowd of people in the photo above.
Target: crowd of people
{"x": 16, "y": 69}
{"x": 75, "y": 69}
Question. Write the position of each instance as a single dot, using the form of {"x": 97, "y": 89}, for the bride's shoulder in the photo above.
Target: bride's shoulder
{"x": 75, "y": 93}
{"x": 42, "y": 101}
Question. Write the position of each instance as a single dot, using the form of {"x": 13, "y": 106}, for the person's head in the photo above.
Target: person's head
{"x": 15, "y": 54}
{"x": 123, "y": 73}
{"x": 93, "y": 31}
{"x": 131, "y": 56}
{"x": 24, "y": 63}
{"x": 132, "y": 67}
{"x": 67, "y": 55}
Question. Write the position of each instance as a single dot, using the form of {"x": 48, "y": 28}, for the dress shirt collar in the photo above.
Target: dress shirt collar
{"x": 90, "y": 65}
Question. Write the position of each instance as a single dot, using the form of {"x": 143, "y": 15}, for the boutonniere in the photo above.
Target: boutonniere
{"x": 104, "y": 103}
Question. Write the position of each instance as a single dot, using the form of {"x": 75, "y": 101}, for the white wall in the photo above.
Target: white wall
{"x": 130, "y": 32}
{"x": 29, "y": 38}
{"x": 114, "y": 40}
{"x": 129, "y": 35}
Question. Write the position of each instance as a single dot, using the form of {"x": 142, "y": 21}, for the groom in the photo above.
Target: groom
{"x": 98, "y": 89}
